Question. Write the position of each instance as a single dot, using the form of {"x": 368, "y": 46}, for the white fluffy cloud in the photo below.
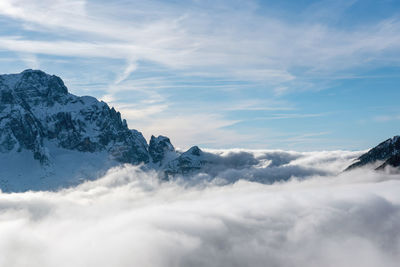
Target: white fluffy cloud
{"x": 129, "y": 218}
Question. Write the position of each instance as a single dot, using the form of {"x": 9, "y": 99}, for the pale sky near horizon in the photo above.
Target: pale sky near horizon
{"x": 297, "y": 75}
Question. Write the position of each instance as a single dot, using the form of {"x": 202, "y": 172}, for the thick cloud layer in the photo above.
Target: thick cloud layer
{"x": 129, "y": 218}
{"x": 269, "y": 166}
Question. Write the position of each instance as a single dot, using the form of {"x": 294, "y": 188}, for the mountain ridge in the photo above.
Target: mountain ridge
{"x": 385, "y": 154}
{"x": 39, "y": 115}
{"x": 51, "y": 139}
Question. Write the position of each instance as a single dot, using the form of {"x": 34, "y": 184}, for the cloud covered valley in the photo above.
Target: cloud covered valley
{"x": 305, "y": 212}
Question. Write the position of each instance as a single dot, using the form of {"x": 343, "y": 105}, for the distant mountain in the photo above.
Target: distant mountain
{"x": 385, "y": 154}
{"x": 51, "y": 138}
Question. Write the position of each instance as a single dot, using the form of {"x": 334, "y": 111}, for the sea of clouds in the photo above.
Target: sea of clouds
{"x": 306, "y": 212}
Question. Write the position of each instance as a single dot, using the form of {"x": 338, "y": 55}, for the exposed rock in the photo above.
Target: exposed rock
{"x": 36, "y": 108}
{"x": 387, "y": 152}
{"x": 393, "y": 161}
{"x": 159, "y": 147}
{"x": 67, "y": 138}
{"x": 191, "y": 160}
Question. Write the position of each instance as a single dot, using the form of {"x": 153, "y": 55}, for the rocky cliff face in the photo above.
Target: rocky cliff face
{"x": 50, "y": 139}
{"x": 36, "y": 108}
{"x": 385, "y": 154}
{"x": 191, "y": 160}
{"x": 171, "y": 162}
{"x": 48, "y": 135}
{"x": 160, "y": 148}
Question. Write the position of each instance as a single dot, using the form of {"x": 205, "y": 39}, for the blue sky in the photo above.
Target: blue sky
{"x": 298, "y": 75}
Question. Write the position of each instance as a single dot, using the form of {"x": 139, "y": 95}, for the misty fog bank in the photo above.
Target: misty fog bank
{"x": 130, "y": 218}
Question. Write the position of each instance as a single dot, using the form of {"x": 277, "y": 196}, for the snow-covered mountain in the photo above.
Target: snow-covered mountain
{"x": 51, "y": 138}
{"x": 191, "y": 160}
{"x": 385, "y": 154}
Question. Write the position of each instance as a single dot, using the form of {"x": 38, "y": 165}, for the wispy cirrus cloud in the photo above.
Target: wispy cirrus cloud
{"x": 223, "y": 54}
{"x": 183, "y": 38}
{"x": 386, "y": 118}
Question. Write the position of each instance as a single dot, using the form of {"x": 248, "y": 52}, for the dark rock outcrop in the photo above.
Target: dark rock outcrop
{"x": 36, "y": 108}
{"x": 159, "y": 147}
{"x": 67, "y": 138}
{"x": 192, "y": 160}
{"x": 387, "y": 152}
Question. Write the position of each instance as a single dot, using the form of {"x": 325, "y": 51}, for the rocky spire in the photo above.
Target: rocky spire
{"x": 158, "y": 147}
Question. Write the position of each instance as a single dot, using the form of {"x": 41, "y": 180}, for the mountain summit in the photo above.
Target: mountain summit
{"x": 51, "y": 138}
{"x": 36, "y": 109}
{"x": 385, "y": 154}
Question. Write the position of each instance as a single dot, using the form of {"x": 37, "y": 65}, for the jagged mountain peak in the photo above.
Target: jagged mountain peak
{"x": 191, "y": 160}
{"x": 194, "y": 150}
{"x": 36, "y": 109}
{"x": 34, "y": 89}
{"x": 161, "y": 140}
{"x": 384, "y": 154}
{"x": 33, "y": 80}
{"x": 62, "y": 136}
{"x": 159, "y": 147}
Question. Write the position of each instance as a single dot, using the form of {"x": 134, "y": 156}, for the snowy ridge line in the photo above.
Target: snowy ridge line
{"x": 63, "y": 139}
